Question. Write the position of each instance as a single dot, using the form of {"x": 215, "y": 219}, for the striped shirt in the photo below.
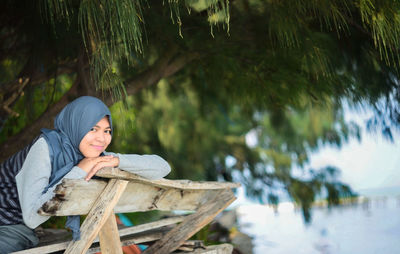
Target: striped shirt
{"x": 27, "y": 174}
{"x": 10, "y": 209}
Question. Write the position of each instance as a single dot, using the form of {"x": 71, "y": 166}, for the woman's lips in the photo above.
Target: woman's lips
{"x": 99, "y": 148}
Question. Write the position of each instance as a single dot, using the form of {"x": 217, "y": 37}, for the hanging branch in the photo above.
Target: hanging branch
{"x": 167, "y": 65}
{"x": 19, "y": 89}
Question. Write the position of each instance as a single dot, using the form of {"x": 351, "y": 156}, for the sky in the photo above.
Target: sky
{"x": 372, "y": 163}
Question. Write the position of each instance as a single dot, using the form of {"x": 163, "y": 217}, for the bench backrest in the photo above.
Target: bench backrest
{"x": 76, "y": 197}
{"x": 124, "y": 192}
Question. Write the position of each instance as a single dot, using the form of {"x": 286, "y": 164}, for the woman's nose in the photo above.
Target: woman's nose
{"x": 100, "y": 136}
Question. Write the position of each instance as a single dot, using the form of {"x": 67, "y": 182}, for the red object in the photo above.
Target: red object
{"x": 131, "y": 249}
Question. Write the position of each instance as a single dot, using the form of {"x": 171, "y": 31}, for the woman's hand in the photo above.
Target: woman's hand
{"x": 92, "y": 165}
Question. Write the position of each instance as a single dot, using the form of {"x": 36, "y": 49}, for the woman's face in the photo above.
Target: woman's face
{"x": 96, "y": 140}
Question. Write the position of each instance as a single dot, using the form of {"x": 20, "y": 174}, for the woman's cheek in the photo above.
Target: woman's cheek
{"x": 108, "y": 142}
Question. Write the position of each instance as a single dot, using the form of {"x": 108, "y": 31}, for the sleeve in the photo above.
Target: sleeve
{"x": 33, "y": 178}
{"x": 148, "y": 166}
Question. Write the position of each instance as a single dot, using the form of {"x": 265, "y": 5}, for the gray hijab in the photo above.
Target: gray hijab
{"x": 70, "y": 126}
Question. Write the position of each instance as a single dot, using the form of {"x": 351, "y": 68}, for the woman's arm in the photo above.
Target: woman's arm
{"x": 149, "y": 166}
{"x": 33, "y": 178}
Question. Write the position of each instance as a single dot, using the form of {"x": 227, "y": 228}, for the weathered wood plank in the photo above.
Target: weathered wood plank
{"x": 76, "y": 197}
{"x": 98, "y": 215}
{"x": 83, "y": 194}
{"x": 150, "y": 226}
{"x": 109, "y": 172}
{"x": 215, "y": 249}
{"x": 62, "y": 246}
{"x": 110, "y": 242}
{"x": 135, "y": 239}
{"x": 192, "y": 224}
{"x": 44, "y": 249}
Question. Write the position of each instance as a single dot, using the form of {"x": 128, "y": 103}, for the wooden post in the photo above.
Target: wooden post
{"x": 110, "y": 242}
{"x": 98, "y": 215}
{"x": 192, "y": 224}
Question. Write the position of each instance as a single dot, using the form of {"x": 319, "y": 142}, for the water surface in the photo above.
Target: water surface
{"x": 368, "y": 228}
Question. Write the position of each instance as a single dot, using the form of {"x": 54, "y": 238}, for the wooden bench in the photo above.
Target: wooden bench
{"x": 122, "y": 192}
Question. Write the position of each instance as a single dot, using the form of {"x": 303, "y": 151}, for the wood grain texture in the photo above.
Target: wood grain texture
{"x": 215, "y": 249}
{"x": 131, "y": 233}
{"x": 126, "y": 192}
{"x": 101, "y": 210}
{"x": 192, "y": 224}
{"x": 110, "y": 242}
{"x": 150, "y": 226}
{"x": 109, "y": 172}
{"x": 77, "y": 197}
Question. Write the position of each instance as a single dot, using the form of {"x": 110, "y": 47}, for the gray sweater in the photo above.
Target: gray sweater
{"x": 35, "y": 173}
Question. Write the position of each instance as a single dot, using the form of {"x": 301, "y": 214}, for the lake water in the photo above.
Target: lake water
{"x": 368, "y": 228}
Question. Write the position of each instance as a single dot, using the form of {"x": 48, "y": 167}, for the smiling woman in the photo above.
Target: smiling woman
{"x": 97, "y": 139}
{"x": 74, "y": 149}
{"x": 93, "y": 144}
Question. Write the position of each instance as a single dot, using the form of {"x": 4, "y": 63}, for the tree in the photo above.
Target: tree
{"x": 208, "y": 141}
{"x": 271, "y": 64}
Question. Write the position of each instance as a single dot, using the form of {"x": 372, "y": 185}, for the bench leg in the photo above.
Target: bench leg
{"x": 98, "y": 215}
{"x": 192, "y": 224}
{"x": 110, "y": 242}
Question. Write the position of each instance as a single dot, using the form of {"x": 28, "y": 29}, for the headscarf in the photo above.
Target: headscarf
{"x": 70, "y": 126}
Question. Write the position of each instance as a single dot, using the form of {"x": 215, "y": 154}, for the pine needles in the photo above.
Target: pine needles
{"x": 112, "y": 31}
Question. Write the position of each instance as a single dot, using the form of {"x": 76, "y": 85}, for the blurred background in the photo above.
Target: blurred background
{"x": 369, "y": 225}
{"x": 296, "y": 100}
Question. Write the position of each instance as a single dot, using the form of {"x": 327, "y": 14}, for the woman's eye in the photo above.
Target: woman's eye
{"x": 92, "y": 129}
{"x": 108, "y": 132}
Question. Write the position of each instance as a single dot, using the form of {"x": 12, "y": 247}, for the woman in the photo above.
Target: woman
{"x": 75, "y": 149}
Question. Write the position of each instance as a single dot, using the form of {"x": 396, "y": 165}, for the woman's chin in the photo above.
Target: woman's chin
{"x": 92, "y": 154}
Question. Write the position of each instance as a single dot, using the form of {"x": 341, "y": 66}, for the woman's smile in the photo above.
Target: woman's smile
{"x": 99, "y": 148}
{"x": 97, "y": 139}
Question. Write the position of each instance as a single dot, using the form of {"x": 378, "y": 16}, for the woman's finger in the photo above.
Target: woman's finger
{"x": 103, "y": 158}
{"x": 96, "y": 168}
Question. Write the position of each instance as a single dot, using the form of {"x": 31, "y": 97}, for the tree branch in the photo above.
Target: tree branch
{"x": 14, "y": 96}
{"x": 166, "y": 66}
{"x": 25, "y": 136}
{"x": 11, "y": 91}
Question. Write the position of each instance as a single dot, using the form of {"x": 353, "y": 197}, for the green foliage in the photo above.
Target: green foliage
{"x": 112, "y": 31}
{"x": 197, "y": 139}
{"x": 55, "y": 222}
{"x": 279, "y": 70}
{"x": 143, "y": 217}
{"x": 170, "y": 125}
{"x": 39, "y": 100}
{"x": 382, "y": 19}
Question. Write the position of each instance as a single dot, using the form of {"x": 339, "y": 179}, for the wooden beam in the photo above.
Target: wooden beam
{"x": 192, "y": 224}
{"x": 44, "y": 249}
{"x": 110, "y": 242}
{"x": 215, "y": 249}
{"x": 150, "y": 225}
{"x": 145, "y": 238}
{"x": 109, "y": 172}
{"x": 134, "y": 239}
{"x": 97, "y": 216}
{"x": 77, "y": 197}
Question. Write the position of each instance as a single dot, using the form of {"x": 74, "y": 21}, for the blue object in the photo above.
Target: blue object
{"x": 127, "y": 222}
